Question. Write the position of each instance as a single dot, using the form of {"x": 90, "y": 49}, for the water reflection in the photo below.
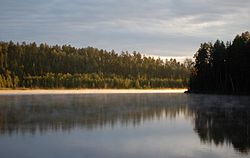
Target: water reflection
{"x": 222, "y": 120}
{"x": 32, "y": 113}
{"x": 216, "y": 119}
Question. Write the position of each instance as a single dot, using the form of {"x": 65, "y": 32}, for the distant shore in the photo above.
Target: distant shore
{"x": 86, "y": 91}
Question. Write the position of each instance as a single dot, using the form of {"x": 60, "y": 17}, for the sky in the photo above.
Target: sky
{"x": 155, "y": 27}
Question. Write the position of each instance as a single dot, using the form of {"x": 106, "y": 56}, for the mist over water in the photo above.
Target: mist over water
{"x": 124, "y": 125}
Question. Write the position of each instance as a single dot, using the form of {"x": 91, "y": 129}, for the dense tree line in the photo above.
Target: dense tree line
{"x": 45, "y": 66}
{"x": 222, "y": 68}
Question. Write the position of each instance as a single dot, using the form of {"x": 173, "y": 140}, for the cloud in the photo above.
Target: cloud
{"x": 167, "y": 28}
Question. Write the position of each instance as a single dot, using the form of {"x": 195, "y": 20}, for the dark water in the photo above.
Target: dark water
{"x": 124, "y": 125}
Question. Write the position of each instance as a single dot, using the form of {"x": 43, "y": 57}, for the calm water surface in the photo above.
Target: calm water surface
{"x": 124, "y": 125}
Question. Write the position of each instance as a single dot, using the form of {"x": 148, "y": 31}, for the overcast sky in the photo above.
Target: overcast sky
{"x": 156, "y": 27}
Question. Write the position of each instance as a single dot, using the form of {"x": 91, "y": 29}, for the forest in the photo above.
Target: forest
{"x": 44, "y": 66}
{"x": 222, "y": 67}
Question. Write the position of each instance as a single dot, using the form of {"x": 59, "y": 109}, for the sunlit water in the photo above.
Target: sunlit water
{"x": 124, "y": 125}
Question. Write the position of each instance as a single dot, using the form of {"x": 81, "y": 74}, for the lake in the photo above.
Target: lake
{"x": 157, "y": 125}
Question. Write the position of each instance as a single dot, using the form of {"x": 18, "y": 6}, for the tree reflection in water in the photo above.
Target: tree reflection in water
{"x": 62, "y": 112}
{"x": 216, "y": 119}
{"x": 222, "y": 120}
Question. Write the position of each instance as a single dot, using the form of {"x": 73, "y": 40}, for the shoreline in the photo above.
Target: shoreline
{"x": 87, "y": 91}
